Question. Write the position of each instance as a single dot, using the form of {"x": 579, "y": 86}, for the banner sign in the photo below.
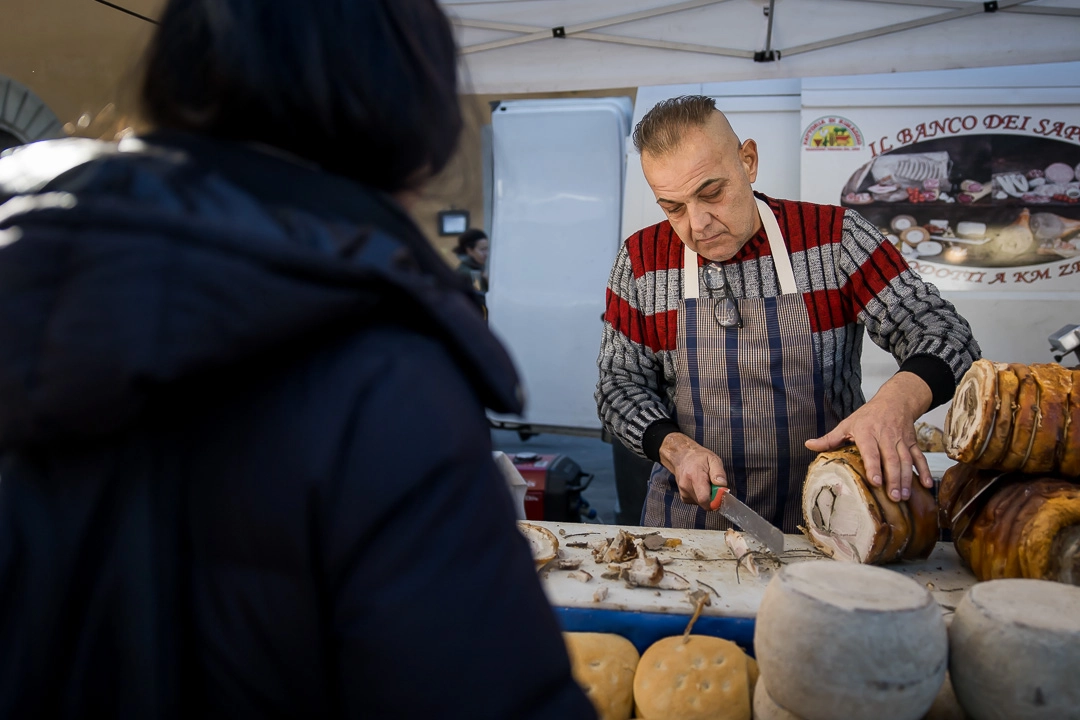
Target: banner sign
{"x": 974, "y": 199}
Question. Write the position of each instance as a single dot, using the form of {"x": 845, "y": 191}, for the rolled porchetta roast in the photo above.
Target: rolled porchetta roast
{"x": 849, "y": 519}
{"x": 1011, "y": 525}
{"x": 1016, "y": 418}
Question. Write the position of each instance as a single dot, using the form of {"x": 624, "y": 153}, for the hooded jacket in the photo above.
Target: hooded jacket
{"x": 244, "y": 464}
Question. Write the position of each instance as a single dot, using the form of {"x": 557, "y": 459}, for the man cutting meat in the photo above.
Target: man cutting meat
{"x": 733, "y": 333}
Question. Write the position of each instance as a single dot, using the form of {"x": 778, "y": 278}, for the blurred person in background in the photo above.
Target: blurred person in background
{"x": 246, "y": 466}
{"x": 472, "y": 253}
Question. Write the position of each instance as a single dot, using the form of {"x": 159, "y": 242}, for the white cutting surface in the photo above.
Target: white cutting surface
{"x": 705, "y": 557}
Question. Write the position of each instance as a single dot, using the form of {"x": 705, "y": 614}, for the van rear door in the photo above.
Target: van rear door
{"x": 558, "y": 168}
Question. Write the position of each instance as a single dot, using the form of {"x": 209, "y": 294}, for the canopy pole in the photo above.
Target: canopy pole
{"x": 768, "y": 55}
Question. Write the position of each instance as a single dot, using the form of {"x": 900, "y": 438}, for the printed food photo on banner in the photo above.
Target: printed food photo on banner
{"x": 979, "y": 200}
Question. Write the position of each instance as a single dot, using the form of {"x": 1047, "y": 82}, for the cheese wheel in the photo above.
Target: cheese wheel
{"x": 696, "y": 678}
{"x": 765, "y": 708}
{"x": 603, "y": 665}
{"x": 850, "y": 641}
{"x": 1015, "y": 650}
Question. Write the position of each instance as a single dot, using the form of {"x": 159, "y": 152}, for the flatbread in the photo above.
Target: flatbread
{"x": 694, "y": 678}
{"x": 603, "y": 665}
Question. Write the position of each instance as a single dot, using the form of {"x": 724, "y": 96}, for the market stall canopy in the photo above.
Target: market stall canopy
{"x": 523, "y": 46}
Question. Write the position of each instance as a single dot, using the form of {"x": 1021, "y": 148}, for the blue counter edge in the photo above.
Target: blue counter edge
{"x": 643, "y": 629}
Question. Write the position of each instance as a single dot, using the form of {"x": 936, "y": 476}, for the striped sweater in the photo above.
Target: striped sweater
{"x": 850, "y": 278}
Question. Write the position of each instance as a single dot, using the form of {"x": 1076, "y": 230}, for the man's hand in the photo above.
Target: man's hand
{"x": 696, "y": 469}
{"x": 884, "y": 431}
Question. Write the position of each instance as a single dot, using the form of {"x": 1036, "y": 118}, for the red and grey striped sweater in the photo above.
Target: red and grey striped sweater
{"x": 850, "y": 277}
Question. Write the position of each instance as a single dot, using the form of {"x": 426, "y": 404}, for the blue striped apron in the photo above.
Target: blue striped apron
{"x": 753, "y": 395}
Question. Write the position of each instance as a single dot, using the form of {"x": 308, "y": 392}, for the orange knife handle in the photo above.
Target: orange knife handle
{"x": 717, "y": 496}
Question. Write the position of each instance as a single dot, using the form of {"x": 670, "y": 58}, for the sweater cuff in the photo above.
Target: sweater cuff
{"x": 654, "y": 435}
{"x": 936, "y": 373}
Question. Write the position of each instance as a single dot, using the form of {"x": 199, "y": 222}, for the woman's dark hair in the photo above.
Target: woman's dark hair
{"x": 363, "y": 88}
{"x": 468, "y": 239}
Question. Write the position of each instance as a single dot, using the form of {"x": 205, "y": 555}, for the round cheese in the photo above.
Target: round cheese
{"x": 694, "y": 678}
{"x": 603, "y": 665}
{"x": 1015, "y": 650}
{"x": 765, "y": 708}
{"x": 850, "y": 641}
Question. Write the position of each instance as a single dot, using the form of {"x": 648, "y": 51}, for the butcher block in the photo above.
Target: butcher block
{"x": 584, "y": 600}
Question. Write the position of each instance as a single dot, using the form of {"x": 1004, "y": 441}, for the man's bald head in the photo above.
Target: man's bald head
{"x": 701, "y": 175}
{"x": 663, "y": 127}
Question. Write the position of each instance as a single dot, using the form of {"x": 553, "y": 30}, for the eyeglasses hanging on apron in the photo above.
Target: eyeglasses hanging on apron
{"x": 726, "y": 311}
{"x": 749, "y": 388}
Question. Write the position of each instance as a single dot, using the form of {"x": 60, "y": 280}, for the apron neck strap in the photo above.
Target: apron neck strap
{"x": 689, "y": 273}
{"x": 781, "y": 259}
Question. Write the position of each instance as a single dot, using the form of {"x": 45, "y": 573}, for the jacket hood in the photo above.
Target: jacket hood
{"x": 126, "y": 269}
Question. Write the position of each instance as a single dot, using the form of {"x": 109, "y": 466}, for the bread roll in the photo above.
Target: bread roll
{"x": 701, "y": 678}
{"x": 603, "y": 665}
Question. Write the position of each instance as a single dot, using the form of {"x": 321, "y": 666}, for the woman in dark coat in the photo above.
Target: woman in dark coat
{"x": 245, "y": 464}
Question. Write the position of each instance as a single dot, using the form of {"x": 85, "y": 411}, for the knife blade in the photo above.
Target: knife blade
{"x": 749, "y": 521}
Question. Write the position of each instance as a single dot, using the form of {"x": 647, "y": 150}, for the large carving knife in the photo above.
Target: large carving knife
{"x": 740, "y": 513}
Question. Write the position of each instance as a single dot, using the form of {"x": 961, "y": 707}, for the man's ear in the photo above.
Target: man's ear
{"x": 748, "y": 156}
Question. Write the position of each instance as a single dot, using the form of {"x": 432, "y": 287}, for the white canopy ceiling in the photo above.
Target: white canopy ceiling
{"x": 516, "y": 46}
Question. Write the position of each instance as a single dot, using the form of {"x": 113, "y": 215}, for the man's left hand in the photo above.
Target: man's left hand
{"x": 884, "y": 431}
